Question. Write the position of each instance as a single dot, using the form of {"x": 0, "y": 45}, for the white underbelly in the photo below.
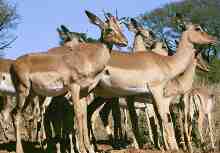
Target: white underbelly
{"x": 122, "y": 89}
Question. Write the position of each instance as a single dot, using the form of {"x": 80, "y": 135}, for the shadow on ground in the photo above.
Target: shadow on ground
{"x": 27, "y": 146}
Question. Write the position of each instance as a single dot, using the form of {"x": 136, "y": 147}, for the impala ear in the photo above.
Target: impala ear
{"x": 64, "y": 29}
{"x": 135, "y": 24}
{"x": 61, "y": 33}
{"x": 95, "y": 20}
{"x": 130, "y": 26}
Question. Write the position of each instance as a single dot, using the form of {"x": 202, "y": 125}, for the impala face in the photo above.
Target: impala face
{"x": 147, "y": 35}
{"x": 111, "y": 31}
{"x": 66, "y": 35}
{"x": 198, "y": 36}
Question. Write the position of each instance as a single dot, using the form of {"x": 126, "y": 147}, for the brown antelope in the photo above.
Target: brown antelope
{"x": 198, "y": 105}
{"x": 143, "y": 40}
{"x": 77, "y": 71}
{"x": 182, "y": 84}
{"x": 164, "y": 68}
{"x": 120, "y": 85}
{"x": 8, "y": 91}
{"x": 149, "y": 72}
{"x": 70, "y": 38}
{"x": 7, "y": 88}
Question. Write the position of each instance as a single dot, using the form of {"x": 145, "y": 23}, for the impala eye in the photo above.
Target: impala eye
{"x": 198, "y": 29}
{"x": 152, "y": 34}
{"x": 109, "y": 30}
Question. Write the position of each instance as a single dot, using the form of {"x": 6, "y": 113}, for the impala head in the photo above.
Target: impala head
{"x": 147, "y": 35}
{"x": 197, "y": 36}
{"x": 66, "y": 35}
{"x": 111, "y": 31}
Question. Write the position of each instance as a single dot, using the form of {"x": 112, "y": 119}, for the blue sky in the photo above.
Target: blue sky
{"x": 36, "y": 30}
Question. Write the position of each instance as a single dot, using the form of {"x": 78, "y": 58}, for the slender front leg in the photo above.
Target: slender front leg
{"x": 181, "y": 128}
{"x": 70, "y": 135}
{"x": 186, "y": 101}
{"x": 87, "y": 143}
{"x": 211, "y": 131}
{"x": 162, "y": 104}
{"x": 200, "y": 128}
{"x": 78, "y": 110}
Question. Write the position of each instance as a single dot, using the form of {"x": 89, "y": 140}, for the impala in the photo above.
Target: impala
{"x": 77, "y": 71}
{"x": 148, "y": 72}
{"x": 198, "y": 105}
{"x": 144, "y": 39}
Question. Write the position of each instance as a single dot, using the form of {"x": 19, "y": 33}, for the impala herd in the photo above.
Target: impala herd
{"x": 95, "y": 74}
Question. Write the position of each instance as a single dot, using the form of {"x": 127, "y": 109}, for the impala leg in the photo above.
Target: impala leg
{"x": 93, "y": 113}
{"x": 71, "y": 143}
{"x": 148, "y": 123}
{"x": 211, "y": 131}
{"x": 180, "y": 122}
{"x": 126, "y": 123}
{"x": 186, "y": 101}
{"x": 134, "y": 122}
{"x": 7, "y": 108}
{"x": 87, "y": 143}
{"x": 23, "y": 92}
{"x": 200, "y": 127}
{"x": 104, "y": 114}
{"x": 44, "y": 103}
{"x": 154, "y": 125}
{"x": 36, "y": 112}
{"x": 79, "y": 112}
{"x": 161, "y": 104}
{"x": 116, "y": 113}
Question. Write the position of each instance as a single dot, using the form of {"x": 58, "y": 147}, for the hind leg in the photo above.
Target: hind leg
{"x": 23, "y": 93}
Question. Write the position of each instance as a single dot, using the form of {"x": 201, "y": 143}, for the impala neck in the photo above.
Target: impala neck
{"x": 107, "y": 44}
{"x": 101, "y": 57}
{"x": 138, "y": 44}
{"x": 186, "y": 79}
{"x": 183, "y": 57}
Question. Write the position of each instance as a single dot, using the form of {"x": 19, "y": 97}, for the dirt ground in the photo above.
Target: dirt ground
{"x": 31, "y": 149}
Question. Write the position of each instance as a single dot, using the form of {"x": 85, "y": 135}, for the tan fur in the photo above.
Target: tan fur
{"x": 198, "y": 102}
{"x": 144, "y": 69}
{"x": 73, "y": 71}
